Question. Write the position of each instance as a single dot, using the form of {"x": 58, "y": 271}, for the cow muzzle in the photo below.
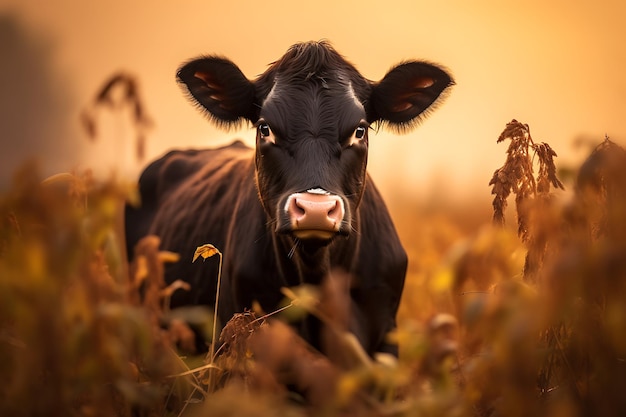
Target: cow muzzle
{"x": 315, "y": 214}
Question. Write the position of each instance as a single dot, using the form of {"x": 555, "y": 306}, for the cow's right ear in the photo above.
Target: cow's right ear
{"x": 220, "y": 87}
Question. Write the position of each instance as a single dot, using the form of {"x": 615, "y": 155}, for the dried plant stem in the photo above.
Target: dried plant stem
{"x": 214, "y": 335}
{"x": 262, "y": 318}
{"x": 206, "y": 251}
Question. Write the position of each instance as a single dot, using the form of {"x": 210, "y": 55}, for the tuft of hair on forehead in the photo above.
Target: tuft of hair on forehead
{"x": 312, "y": 62}
{"x": 305, "y": 61}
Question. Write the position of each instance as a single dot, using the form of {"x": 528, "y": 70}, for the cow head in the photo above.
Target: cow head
{"x": 313, "y": 111}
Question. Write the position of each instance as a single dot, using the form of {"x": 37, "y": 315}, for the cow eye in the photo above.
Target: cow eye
{"x": 264, "y": 130}
{"x": 359, "y": 135}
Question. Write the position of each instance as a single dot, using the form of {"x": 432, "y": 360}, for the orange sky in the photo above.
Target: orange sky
{"x": 558, "y": 66}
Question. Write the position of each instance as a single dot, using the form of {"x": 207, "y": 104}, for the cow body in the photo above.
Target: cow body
{"x": 300, "y": 204}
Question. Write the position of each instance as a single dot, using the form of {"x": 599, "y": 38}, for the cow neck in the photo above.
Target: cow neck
{"x": 304, "y": 263}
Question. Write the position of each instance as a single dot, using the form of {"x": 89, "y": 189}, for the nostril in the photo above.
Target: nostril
{"x": 333, "y": 212}
{"x": 296, "y": 208}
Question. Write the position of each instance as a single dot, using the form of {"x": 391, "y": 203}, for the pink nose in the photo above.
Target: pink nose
{"x": 315, "y": 214}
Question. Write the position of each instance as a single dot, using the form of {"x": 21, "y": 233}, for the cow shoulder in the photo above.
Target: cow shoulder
{"x": 198, "y": 189}
{"x": 165, "y": 190}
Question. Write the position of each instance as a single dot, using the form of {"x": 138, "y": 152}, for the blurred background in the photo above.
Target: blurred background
{"x": 557, "y": 66}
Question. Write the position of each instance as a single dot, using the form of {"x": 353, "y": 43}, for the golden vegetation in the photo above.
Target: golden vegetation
{"x": 494, "y": 323}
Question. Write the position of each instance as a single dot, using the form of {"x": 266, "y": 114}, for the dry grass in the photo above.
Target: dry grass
{"x": 492, "y": 322}
{"x": 120, "y": 91}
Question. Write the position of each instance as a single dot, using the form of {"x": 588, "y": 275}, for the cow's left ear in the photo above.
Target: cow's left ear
{"x": 220, "y": 87}
{"x": 405, "y": 94}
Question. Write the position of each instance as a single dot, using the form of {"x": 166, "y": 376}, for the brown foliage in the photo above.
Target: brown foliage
{"x": 586, "y": 284}
{"x": 576, "y": 251}
{"x": 119, "y": 91}
{"x": 532, "y": 196}
{"x": 517, "y": 176}
{"x": 71, "y": 339}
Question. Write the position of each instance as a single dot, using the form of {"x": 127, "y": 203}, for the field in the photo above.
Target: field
{"x": 495, "y": 319}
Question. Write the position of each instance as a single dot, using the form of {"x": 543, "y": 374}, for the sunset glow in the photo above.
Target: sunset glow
{"x": 557, "y": 66}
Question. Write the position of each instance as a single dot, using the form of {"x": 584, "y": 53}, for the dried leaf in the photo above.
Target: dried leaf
{"x": 206, "y": 251}
{"x": 304, "y": 296}
{"x": 168, "y": 257}
{"x": 141, "y": 271}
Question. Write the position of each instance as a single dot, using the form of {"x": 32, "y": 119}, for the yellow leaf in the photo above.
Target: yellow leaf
{"x": 167, "y": 256}
{"x": 142, "y": 269}
{"x": 305, "y": 296}
{"x": 206, "y": 251}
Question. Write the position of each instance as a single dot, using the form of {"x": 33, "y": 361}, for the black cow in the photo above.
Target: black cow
{"x": 301, "y": 203}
